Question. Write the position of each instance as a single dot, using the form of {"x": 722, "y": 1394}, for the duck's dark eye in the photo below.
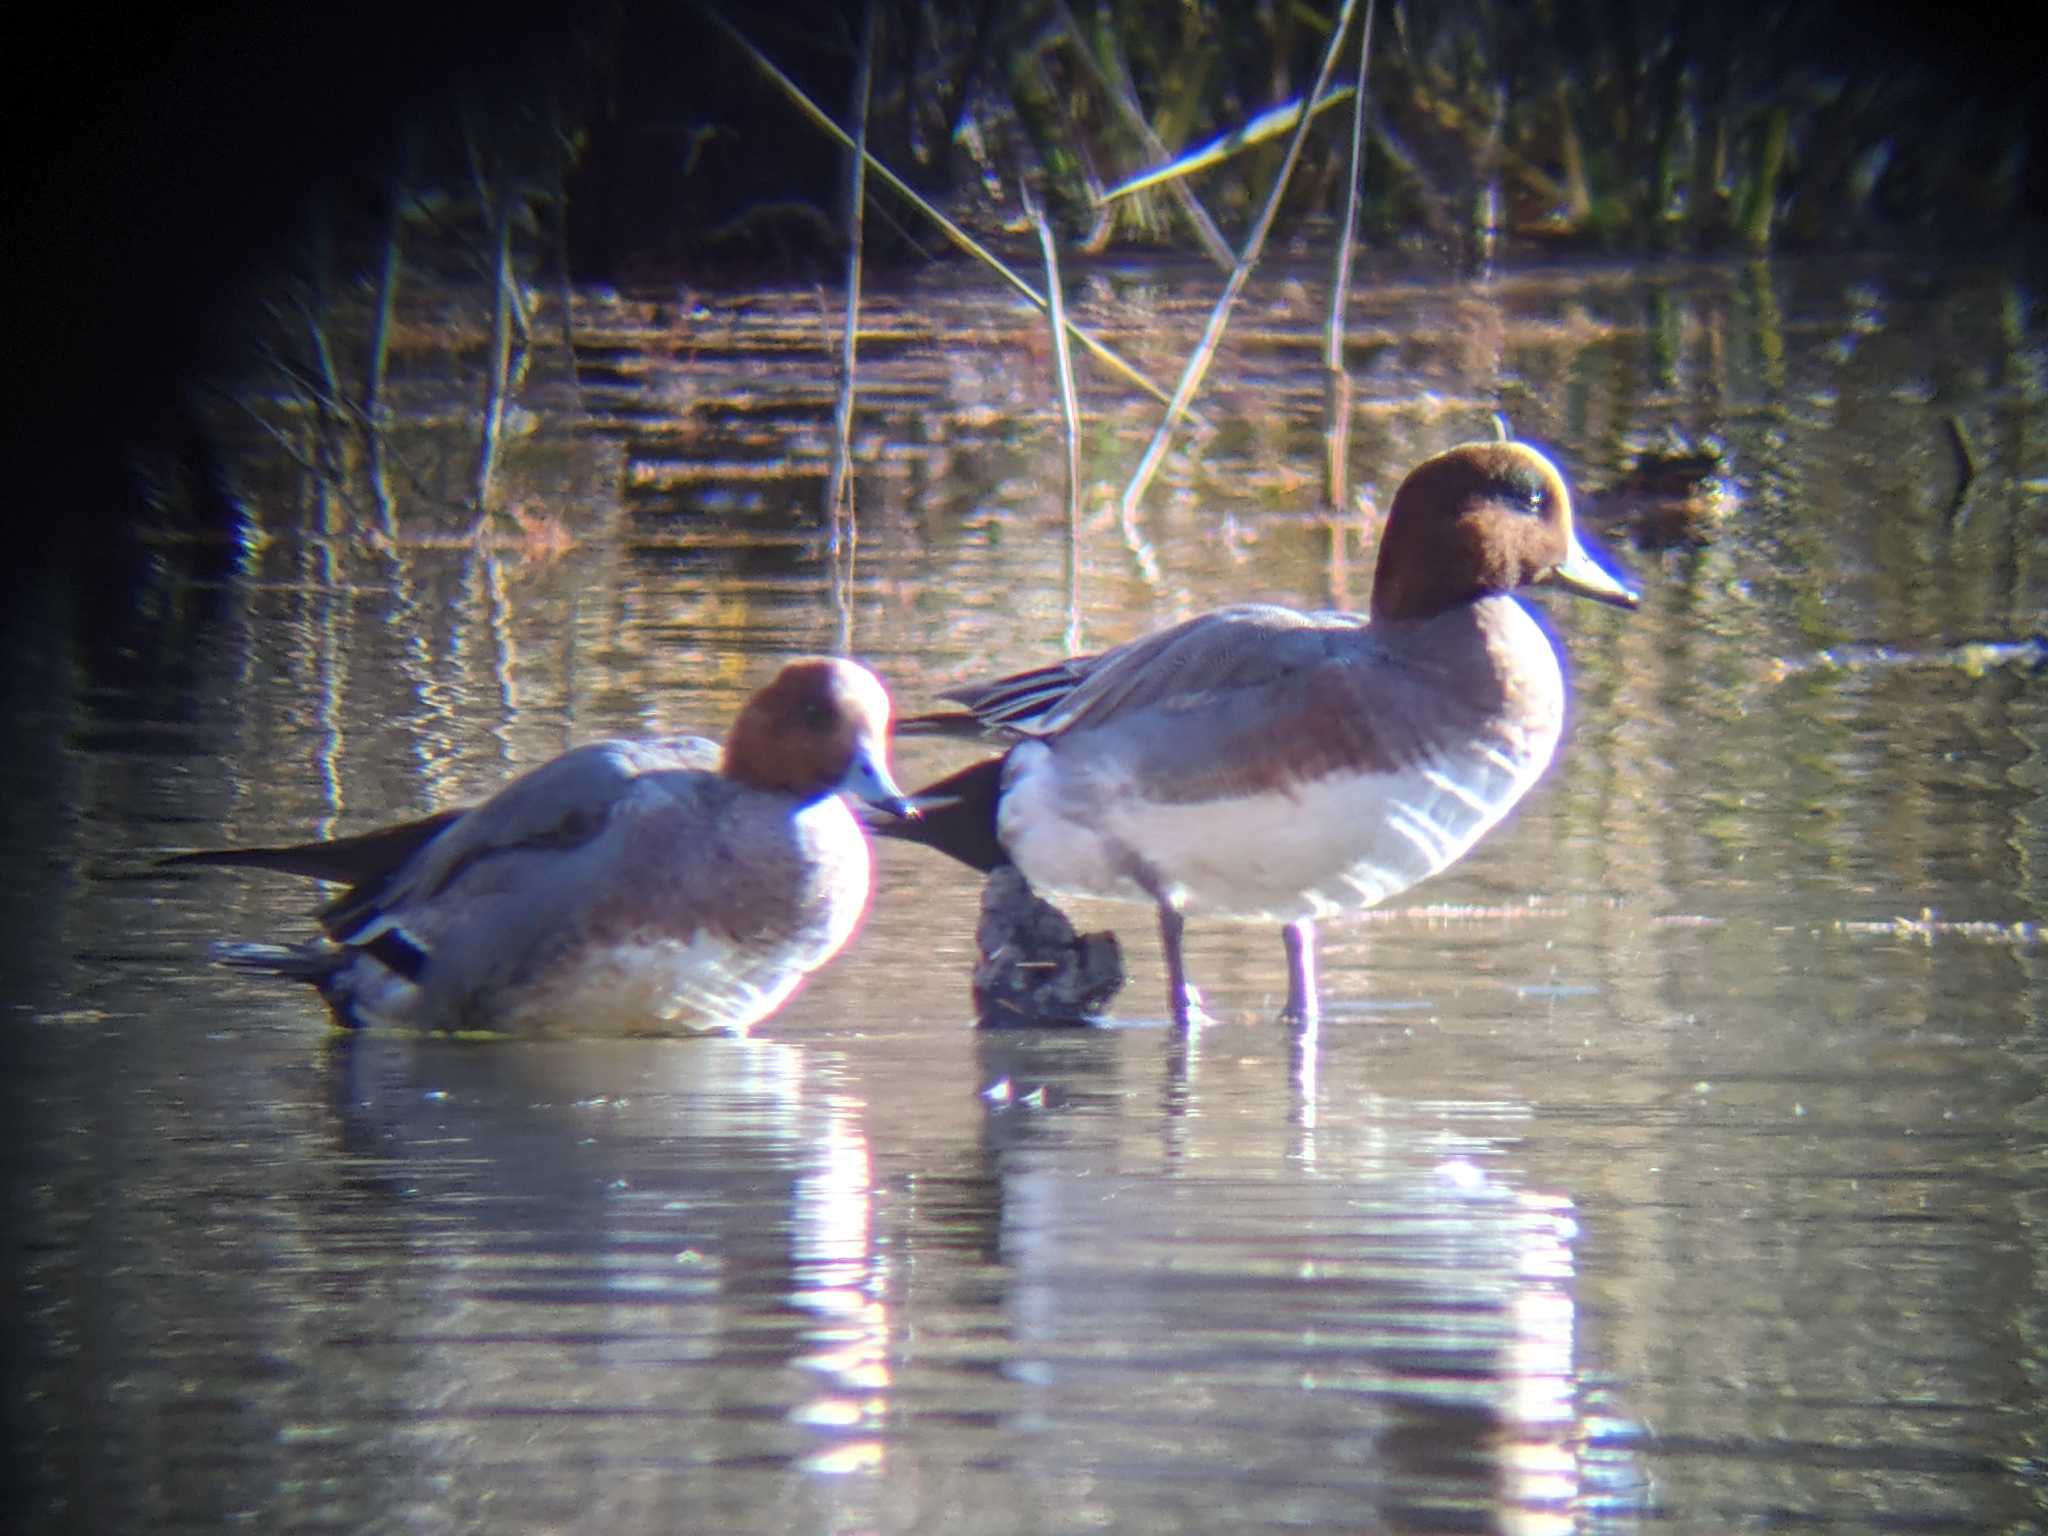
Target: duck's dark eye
{"x": 816, "y": 714}
{"x": 1525, "y": 493}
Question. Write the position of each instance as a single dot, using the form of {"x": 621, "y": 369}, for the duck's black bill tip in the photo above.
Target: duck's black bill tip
{"x": 880, "y": 815}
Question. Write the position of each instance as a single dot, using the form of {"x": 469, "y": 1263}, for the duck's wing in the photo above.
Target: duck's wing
{"x": 1005, "y": 706}
{"x": 1267, "y": 702}
{"x": 1196, "y": 662}
{"x": 365, "y": 857}
{"x": 1239, "y": 646}
{"x": 562, "y": 804}
{"x": 1012, "y": 703}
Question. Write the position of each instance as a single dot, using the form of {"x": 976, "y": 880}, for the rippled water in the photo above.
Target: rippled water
{"x": 1675, "y": 1160}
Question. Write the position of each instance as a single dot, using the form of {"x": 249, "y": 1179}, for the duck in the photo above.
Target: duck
{"x": 1260, "y": 764}
{"x": 627, "y": 887}
{"x": 1675, "y": 497}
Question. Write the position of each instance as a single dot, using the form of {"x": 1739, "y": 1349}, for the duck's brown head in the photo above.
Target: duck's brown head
{"x": 1478, "y": 519}
{"x": 820, "y": 727}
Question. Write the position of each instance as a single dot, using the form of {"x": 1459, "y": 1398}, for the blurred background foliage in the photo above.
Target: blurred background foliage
{"x": 1586, "y": 124}
{"x": 202, "y": 191}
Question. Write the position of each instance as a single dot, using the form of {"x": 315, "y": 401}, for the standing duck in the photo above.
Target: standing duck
{"x": 626, "y": 887}
{"x": 1265, "y": 765}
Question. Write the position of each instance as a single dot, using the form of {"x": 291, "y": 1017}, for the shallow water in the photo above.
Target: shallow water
{"x": 1675, "y": 1160}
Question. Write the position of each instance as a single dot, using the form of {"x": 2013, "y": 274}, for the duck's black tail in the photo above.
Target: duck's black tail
{"x": 957, "y": 816}
{"x": 295, "y": 962}
{"x": 322, "y": 966}
{"x": 365, "y": 863}
{"x": 342, "y": 860}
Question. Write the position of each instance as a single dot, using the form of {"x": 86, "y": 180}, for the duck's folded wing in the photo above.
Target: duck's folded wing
{"x": 1246, "y": 649}
{"x": 367, "y": 856}
{"x": 1008, "y": 704}
{"x": 561, "y": 804}
{"x": 1228, "y": 647}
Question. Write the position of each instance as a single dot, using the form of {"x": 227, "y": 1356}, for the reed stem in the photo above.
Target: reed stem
{"x": 1219, "y": 317}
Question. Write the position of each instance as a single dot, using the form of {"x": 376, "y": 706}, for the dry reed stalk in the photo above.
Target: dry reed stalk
{"x": 1337, "y": 397}
{"x": 1117, "y": 92}
{"x": 498, "y": 365}
{"x": 843, "y": 533}
{"x": 1099, "y": 350}
{"x": 378, "y": 354}
{"x": 1219, "y": 317}
{"x": 1070, "y": 416}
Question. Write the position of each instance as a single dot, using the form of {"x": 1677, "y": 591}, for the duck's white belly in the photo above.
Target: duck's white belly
{"x": 658, "y": 986}
{"x": 1326, "y": 846}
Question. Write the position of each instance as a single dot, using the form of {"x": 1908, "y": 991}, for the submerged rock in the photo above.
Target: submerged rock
{"x": 1034, "y": 968}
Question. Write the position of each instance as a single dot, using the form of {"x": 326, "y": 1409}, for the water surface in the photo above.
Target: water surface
{"x": 1675, "y": 1160}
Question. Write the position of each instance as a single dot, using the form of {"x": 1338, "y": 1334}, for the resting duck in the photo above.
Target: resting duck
{"x": 1261, "y": 764}
{"x": 626, "y": 887}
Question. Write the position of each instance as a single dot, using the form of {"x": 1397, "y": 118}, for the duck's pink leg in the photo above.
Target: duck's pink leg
{"x": 1300, "y": 938}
